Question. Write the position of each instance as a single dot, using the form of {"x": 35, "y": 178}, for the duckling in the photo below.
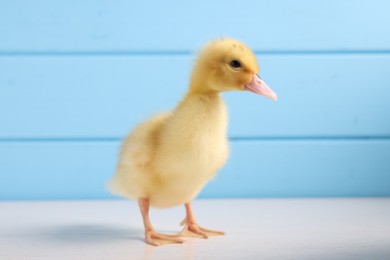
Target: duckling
{"x": 168, "y": 159}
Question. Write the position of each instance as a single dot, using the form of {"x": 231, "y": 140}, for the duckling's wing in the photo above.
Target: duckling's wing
{"x": 140, "y": 146}
{"x": 132, "y": 177}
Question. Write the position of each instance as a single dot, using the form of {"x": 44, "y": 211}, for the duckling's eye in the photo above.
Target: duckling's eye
{"x": 235, "y": 64}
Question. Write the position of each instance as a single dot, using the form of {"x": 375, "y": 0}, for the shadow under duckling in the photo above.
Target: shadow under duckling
{"x": 169, "y": 158}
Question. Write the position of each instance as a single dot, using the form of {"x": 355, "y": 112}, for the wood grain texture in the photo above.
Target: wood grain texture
{"x": 78, "y": 170}
{"x": 92, "y": 97}
{"x": 90, "y": 26}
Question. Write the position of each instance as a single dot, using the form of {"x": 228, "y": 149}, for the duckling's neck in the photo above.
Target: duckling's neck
{"x": 200, "y": 110}
{"x": 205, "y": 93}
{"x": 200, "y": 83}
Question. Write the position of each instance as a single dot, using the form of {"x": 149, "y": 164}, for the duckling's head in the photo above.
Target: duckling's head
{"x": 225, "y": 65}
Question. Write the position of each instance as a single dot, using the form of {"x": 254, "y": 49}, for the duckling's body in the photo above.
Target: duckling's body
{"x": 169, "y": 158}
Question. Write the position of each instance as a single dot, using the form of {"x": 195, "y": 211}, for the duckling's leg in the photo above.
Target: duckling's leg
{"x": 151, "y": 237}
{"x": 192, "y": 229}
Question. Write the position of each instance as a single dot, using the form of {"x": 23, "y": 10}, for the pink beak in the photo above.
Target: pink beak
{"x": 258, "y": 86}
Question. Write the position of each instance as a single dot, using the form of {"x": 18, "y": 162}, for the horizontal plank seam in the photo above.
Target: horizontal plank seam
{"x": 186, "y": 53}
{"x": 302, "y": 138}
{"x": 233, "y": 138}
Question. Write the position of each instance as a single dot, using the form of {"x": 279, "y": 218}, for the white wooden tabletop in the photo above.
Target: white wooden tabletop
{"x": 255, "y": 229}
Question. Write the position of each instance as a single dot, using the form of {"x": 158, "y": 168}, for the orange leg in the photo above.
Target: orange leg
{"x": 192, "y": 229}
{"x": 151, "y": 237}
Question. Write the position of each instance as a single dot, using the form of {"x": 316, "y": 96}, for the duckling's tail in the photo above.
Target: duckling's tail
{"x": 114, "y": 187}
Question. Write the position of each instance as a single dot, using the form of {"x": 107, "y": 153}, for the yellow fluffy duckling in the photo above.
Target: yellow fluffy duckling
{"x": 168, "y": 159}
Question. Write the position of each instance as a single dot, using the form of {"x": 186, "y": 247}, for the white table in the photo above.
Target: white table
{"x": 255, "y": 229}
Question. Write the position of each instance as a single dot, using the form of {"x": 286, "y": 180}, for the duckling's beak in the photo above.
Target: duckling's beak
{"x": 258, "y": 86}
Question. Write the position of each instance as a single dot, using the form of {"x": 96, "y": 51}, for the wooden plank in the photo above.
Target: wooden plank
{"x": 78, "y": 170}
{"x": 304, "y": 169}
{"x": 91, "y": 26}
{"x": 104, "y": 97}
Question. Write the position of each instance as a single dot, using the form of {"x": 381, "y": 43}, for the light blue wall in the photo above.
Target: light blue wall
{"x": 75, "y": 77}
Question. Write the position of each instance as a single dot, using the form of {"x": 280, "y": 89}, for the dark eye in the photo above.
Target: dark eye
{"x": 235, "y": 64}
